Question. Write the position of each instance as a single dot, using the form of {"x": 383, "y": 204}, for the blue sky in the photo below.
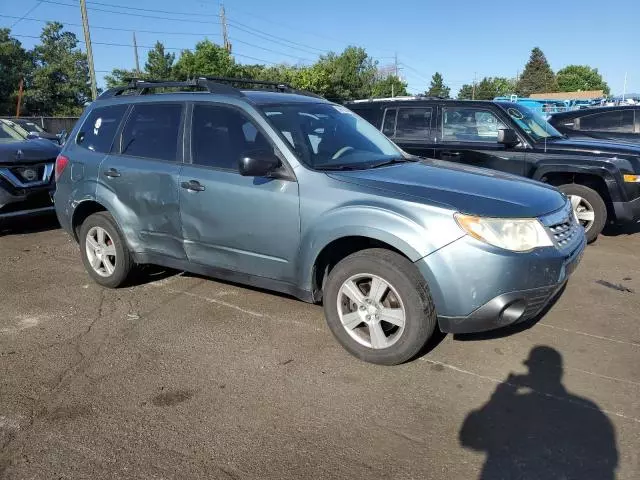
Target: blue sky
{"x": 459, "y": 38}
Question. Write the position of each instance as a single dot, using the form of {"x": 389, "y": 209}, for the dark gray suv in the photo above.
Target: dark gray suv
{"x": 286, "y": 191}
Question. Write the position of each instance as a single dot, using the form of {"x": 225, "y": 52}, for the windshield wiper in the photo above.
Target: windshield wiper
{"x": 337, "y": 167}
{"x": 394, "y": 161}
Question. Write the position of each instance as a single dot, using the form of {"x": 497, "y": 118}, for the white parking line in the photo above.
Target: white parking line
{"x": 633, "y": 344}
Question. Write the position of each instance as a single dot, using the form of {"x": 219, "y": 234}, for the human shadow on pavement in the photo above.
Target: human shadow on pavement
{"x": 533, "y": 428}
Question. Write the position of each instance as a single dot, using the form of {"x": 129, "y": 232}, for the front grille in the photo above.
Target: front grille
{"x": 29, "y": 173}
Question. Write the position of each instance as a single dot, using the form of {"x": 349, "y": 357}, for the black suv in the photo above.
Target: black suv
{"x": 26, "y": 173}
{"x": 602, "y": 178}
{"x": 621, "y": 124}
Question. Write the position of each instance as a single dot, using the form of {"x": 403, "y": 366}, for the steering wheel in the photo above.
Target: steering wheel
{"x": 341, "y": 152}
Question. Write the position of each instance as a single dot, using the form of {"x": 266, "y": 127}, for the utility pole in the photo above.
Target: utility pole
{"x": 624, "y": 89}
{"x": 473, "y": 91}
{"x": 87, "y": 41}
{"x": 135, "y": 52}
{"x": 225, "y": 30}
{"x": 20, "y": 89}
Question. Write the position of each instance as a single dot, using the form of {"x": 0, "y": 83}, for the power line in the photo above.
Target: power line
{"x": 276, "y": 37}
{"x": 129, "y": 14}
{"x": 152, "y": 10}
{"x": 129, "y": 45}
{"x": 19, "y": 19}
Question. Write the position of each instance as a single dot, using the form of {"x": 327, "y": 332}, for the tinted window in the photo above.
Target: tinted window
{"x": 389, "y": 126}
{"x": 100, "y": 127}
{"x": 461, "y": 124}
{"x": 221, "y": 135}
{"x": 413, "y": 123}
{"x": 152, "y": 131}
{"x": 616, "y": 121}
{"x": 371, "y": 115}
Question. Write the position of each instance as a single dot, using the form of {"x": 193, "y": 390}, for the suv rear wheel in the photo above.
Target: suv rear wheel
{"x": 378, "y": 306}
{"x": 104, "y": 252}
{"x": 589, "y": 208}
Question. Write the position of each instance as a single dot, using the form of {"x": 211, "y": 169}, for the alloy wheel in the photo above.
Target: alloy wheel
{"x": 584, "y": 211}
{"x": 101, "y": 251}
{"x": 371, "y": 311}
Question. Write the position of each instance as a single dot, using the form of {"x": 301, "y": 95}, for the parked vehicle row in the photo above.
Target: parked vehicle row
{"x": 601, "y": 178}
{"x": 619, "y": 124}
{"x": 290, "y": 192}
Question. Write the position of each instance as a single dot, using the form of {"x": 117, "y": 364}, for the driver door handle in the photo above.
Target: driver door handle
{"x": 193, "y": 186}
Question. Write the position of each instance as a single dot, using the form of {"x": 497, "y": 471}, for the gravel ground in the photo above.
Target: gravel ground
{"x": 184, "y": 377}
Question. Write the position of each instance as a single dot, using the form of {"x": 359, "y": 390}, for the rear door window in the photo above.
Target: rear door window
{"x": 617, "y": 121}
{"x": 100, "y": 127}
{"x": 413, "y": 123}
{"x": 152, "y": 131}
{"x": 389, "y": 123}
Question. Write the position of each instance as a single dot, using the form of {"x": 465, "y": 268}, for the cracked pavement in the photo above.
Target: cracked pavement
{"x": 184, "y": 377}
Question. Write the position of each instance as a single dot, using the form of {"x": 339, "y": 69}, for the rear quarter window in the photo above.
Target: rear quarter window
{"x": 100, "y": 127}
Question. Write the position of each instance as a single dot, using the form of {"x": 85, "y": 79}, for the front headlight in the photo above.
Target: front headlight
{"x": 517, "y": 235}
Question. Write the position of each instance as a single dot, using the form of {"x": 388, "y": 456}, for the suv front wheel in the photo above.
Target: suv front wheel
{"x": 378, "y": 307}
{"x": 588, "y": 206}
{"x": 104, "y": 252}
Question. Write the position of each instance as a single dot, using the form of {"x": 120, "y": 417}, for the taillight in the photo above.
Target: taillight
{"x": 61, "y": 164}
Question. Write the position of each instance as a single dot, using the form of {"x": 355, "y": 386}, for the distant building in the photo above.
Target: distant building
{"x": 581, "y": 95}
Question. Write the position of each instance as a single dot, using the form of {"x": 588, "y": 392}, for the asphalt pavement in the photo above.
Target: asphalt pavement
{"x": 182, "y": 377}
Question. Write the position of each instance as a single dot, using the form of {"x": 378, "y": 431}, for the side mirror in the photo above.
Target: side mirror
{"x": 260, "y": 163}
{"x": 507, "y": 137}
{"x": 62, "y": 137}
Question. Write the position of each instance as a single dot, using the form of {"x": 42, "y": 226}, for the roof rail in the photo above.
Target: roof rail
{"x": 402, "y": 98}
{"x": 142, "y": 87}
{"x": 279, "y": 86}
{"x": 220, "y": 85}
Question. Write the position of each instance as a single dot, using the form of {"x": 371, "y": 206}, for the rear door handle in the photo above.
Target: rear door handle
{"x": 112, "y": 173}
{"x": 193, "y": 186}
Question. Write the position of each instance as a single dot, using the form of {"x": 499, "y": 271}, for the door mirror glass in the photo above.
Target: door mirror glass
{"x": 62, "y": 137}
{"x": 258, "y": 163}
{"x": 507, "y": 137}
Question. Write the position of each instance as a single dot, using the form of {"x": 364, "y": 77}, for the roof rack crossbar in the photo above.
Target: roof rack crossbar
{"x": 220, "y": 85}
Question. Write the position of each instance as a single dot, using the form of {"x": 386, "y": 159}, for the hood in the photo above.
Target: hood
{"x": 28, "y": 151}
{"x": 592, "y": 146}
{"x": 470, "y": 190}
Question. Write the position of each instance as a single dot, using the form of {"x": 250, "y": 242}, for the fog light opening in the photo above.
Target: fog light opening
{"x": 512, "y": 312}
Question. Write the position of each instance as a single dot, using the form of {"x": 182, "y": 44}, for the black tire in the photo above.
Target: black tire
{"x": 123, "y": 260}
{"x": 596, "y": 201}
{"x": 411, "y": 287}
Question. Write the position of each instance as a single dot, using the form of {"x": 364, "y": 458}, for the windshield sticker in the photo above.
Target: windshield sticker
{"x": 515, "y": 113}
{"x": 97, "y": 125}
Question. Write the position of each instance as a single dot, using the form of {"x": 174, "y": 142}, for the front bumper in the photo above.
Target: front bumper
{"x": 476, "y": 287}
{"x": 25, "y": 202}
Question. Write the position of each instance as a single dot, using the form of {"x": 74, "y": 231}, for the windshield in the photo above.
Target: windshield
{"x": 532, "y": 123}
{"x": 8, "y": 134}
{"x": 31, "y": 127}
{"x": 328, "y": 137}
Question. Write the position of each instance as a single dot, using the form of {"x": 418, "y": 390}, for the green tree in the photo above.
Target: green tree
{"x": 537, "y": 76}
{"x": 573, "y": 78}
{"x": 60, "y": 81}
{"x": 466, "y": 92}
{"x": 491, "y": 87}
{"x": 389, "y": 86}
{"x": 347, "y": 76}
{"x": 159, "y": 64}
{"x": 437, "y": 87}
{"x": 15, "y": 64}
{"x": 208, "y": 59}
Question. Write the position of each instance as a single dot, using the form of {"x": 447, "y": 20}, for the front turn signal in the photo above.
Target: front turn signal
{"x": 628, "y": 178}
